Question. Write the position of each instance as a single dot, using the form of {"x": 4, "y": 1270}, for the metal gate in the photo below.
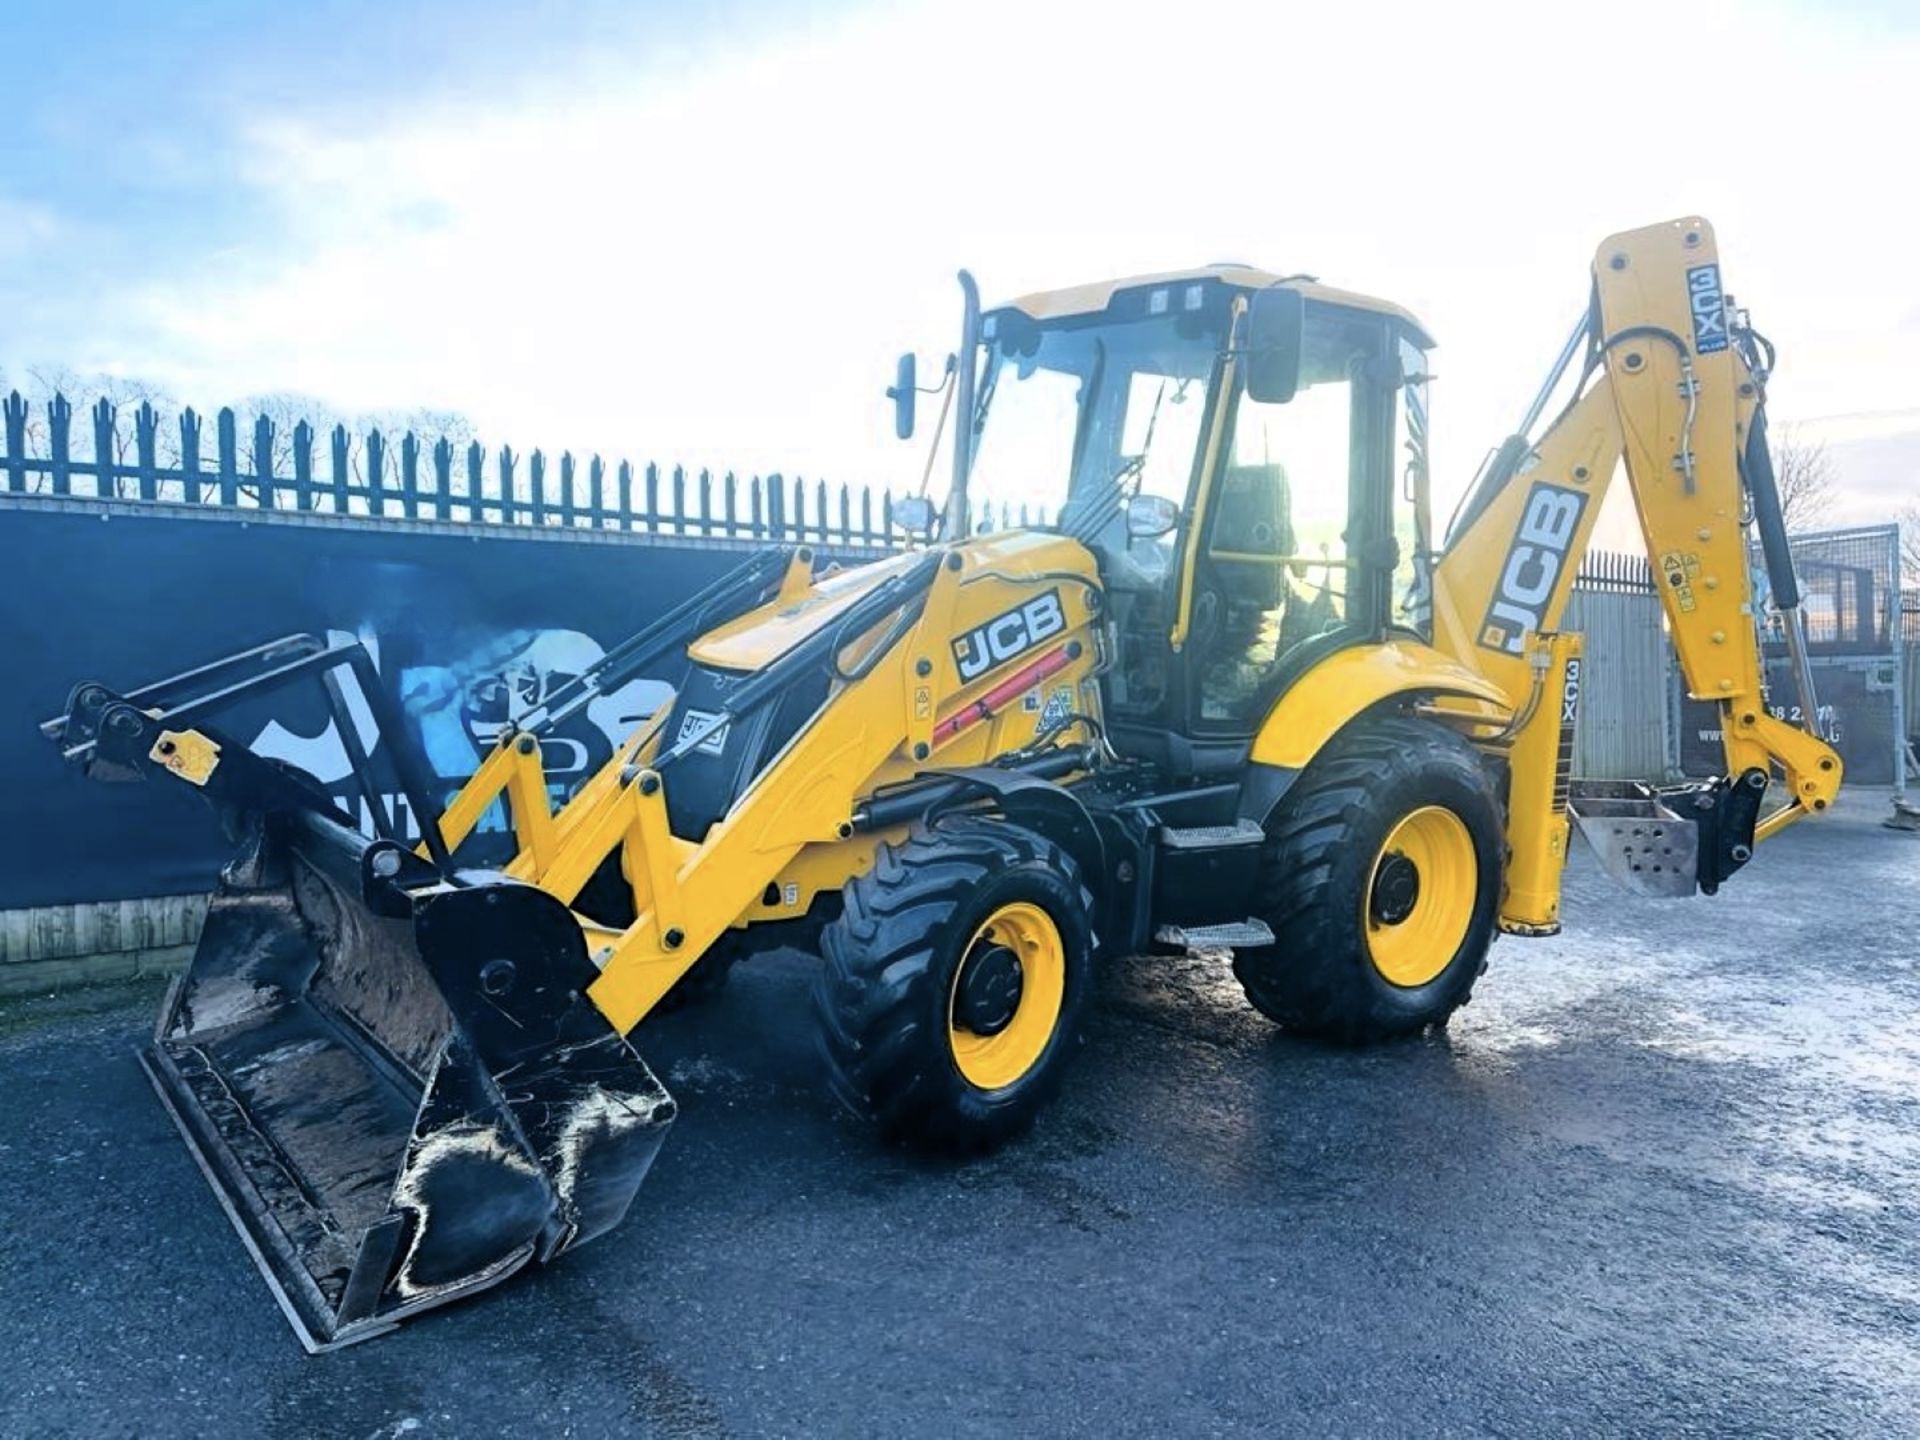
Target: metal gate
{"x": 1850, "y": 598}
{"x": 1622, "y": 731}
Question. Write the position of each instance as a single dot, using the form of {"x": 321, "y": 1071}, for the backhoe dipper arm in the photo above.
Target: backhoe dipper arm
{"x": 1674, "y": 385}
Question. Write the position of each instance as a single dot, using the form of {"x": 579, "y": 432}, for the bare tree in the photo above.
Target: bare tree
{"x": 82, "y": 391}
{"x": 285, "y": 409}
{"x": 1909, "y": 519}
{"x": 1807, "y": 480}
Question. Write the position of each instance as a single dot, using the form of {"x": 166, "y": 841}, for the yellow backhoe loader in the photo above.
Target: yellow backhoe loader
{"x": 1231, "y": 698}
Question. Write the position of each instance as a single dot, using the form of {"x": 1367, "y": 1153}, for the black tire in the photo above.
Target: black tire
{"x": 1320, "y": 978}
{"x": 884, "y": 996}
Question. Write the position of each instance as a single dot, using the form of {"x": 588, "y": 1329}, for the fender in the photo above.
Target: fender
{"x": 1040, "y": 804}
{"x": 1346, "y": 684}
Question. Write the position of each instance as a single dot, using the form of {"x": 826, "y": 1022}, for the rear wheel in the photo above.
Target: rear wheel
{"x": 953, "y": 982}
{"x": 1381, "y": 883}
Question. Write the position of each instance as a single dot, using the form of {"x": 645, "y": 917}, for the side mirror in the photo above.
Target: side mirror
{"x": 1151, "y": 516}
{"x": 914, "y": 514}
{"x": 901, "y": 392}
{"x": 1276, "y": 327}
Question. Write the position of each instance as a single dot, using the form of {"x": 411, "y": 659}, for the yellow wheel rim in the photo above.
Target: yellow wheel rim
{"x": 1026, "y": 932}
{"x": 1419, "y": 898}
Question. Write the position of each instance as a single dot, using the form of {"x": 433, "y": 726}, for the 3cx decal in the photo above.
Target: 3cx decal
{"x": 1709, "y": 308}
{"x": 1009, "y": 634}
{"x": 1570, "y": 695}
{"x": 1533, "y": 566}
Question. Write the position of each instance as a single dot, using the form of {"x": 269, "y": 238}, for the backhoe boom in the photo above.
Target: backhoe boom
{"x": 1674, "y": 386}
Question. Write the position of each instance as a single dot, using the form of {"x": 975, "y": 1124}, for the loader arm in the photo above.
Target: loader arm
{"x": 1673, "y": 385}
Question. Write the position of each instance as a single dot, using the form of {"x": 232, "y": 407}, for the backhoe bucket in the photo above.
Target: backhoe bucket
{"x": 393, "y": 1081}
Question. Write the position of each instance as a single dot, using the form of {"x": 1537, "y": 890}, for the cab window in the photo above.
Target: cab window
{"x": 1274, "y": 572}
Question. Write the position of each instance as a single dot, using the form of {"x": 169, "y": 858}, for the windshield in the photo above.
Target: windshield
{"x": 1076, "y": 414}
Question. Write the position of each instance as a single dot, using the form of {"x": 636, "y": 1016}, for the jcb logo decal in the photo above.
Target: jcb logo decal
{"x": 1709, "y": 308}
{"x": 714, "y": 742}
{"x": 1006, "y": 636}
{"x": 1539, "y": 554}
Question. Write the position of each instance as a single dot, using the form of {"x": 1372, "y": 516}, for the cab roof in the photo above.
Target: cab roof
{"x": 1094, "y": 298}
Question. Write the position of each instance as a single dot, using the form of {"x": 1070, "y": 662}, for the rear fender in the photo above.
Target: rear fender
{"x": 1342, "y": 687}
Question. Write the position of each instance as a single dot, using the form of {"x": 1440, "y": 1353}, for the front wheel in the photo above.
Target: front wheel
{"x": 952, "y": 983}
{"x": 1381, "y": 883}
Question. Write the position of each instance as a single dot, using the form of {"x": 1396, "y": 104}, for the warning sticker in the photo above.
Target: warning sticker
{"x": 1058, "y": 707}
{"x": 1678, "y": 570}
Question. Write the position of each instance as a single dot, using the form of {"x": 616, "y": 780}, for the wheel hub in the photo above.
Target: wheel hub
{"x": 1396, "y": 889}
{"x": 989, "y": 990}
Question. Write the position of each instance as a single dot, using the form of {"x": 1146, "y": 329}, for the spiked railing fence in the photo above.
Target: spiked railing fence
{"x": 255, "y": 464}
{"x": 260, "y": 464}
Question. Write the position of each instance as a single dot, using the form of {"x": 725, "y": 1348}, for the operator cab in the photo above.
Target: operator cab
{"x": 1243, "y": 530}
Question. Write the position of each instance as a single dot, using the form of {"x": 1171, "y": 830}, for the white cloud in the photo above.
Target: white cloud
{"x": 25, "y": 228}
{"x": 713, "y": 256}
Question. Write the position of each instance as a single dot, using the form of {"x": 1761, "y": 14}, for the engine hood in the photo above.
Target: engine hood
{"x": 759, "y": 637}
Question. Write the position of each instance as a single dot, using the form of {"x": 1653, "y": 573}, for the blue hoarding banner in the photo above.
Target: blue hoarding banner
{"x": 469, "y": 625}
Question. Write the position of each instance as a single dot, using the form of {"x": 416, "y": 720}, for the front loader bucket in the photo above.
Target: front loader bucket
{"x": 394, "y": 1082}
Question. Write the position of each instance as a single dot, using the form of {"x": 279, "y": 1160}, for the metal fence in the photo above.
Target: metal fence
{"x": 409, "y": 477}
{"x": 1910, "y": 677}
{"x": 1851, "y": 601}
{"x": 1623, "y": 730}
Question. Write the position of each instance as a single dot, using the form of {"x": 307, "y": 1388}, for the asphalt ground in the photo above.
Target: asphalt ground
{"x": 1662, "y": 1176}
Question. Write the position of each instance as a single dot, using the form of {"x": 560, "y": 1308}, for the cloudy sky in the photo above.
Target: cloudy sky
{"x": 702, "y": 232}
